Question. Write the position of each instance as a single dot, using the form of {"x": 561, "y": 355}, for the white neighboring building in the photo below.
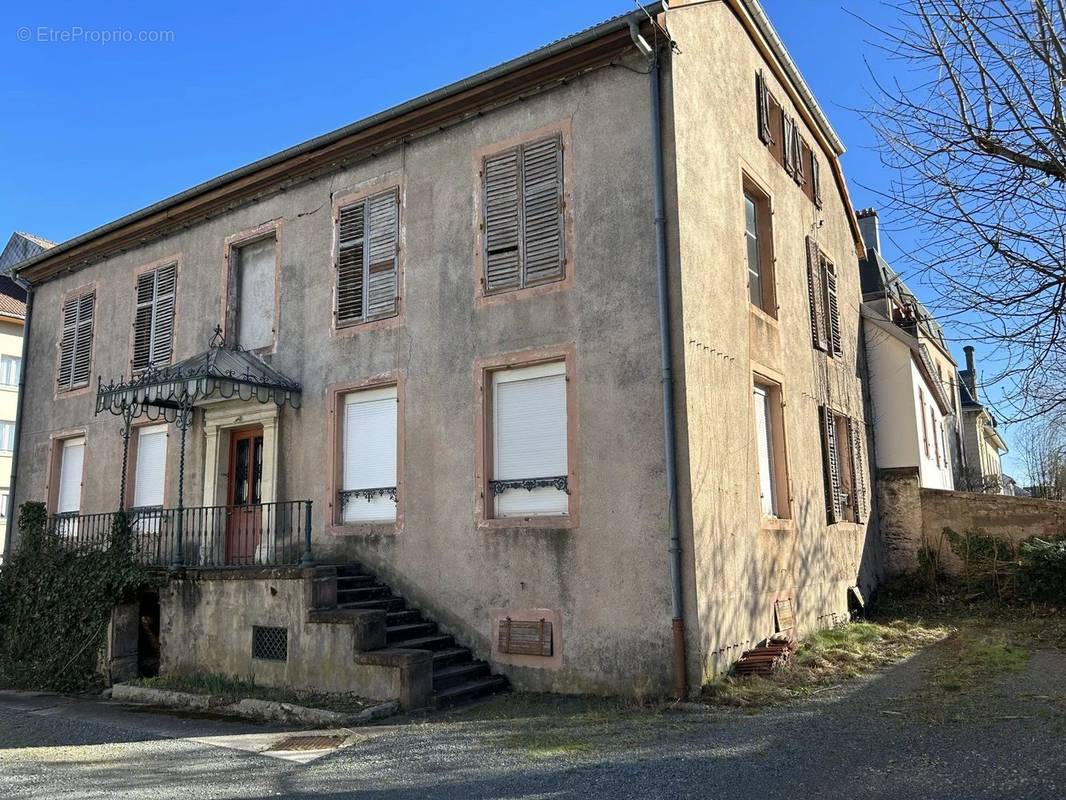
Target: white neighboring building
{"x": 914, "y": 395}
{"x": 12, "y": 323}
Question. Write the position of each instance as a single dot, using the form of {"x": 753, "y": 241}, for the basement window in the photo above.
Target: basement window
{"x": 270, "y": 644}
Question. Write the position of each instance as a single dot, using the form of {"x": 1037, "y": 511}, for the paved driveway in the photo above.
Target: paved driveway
{"x": 891, "y": 736}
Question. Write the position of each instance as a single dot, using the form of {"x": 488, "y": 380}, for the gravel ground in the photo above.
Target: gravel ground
{"x": 889, "y": 736}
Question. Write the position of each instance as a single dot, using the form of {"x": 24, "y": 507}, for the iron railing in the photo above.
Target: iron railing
{"x": 266, "y": 534}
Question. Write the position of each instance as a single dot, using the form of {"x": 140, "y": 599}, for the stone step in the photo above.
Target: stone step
{"x": 469, "y": 690}
{"x": 435, "y": 642}
{"x": 397, "y": 635}
{"x": 363, "y": 593}
{"x": 451, "y": 656}
{"x": 405, "y": 617}
{"x": 354, "y": 582}
{"x": 454, "y": 674}
{"x": 387, "y": 603}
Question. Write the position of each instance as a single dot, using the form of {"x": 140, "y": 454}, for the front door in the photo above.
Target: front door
{"x": 244, "y": 495}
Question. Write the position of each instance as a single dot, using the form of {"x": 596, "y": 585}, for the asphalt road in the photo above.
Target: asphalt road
{"x": 880, "y": 738}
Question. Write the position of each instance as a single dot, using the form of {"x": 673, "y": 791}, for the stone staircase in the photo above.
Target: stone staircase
{"x": 457, "y": 676}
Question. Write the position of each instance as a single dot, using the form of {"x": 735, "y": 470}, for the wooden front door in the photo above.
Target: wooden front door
{"x": 244, "y": 495}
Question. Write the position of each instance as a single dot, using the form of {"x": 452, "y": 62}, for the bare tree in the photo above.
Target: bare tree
{"x": 1042, "y": 444}
{"x": 978, "y": 139}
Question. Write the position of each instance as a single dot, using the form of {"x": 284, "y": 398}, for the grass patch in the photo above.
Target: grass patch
{"x": 547, "y": 743}
{"x": 825, "y": 660}
{"x": 231, "y": 689}
{"x": 975, "y": 659}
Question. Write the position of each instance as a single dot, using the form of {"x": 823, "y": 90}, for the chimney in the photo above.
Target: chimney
{"x": 871, "y": 229}
{"x": 971, "y": 371}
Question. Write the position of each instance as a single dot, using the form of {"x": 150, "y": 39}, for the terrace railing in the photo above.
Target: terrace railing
{"x": 267, "y": 534}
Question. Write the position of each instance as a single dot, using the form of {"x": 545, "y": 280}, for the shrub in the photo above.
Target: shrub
{"x": 1042, "y": 572}
{"x": 55, "y": 604}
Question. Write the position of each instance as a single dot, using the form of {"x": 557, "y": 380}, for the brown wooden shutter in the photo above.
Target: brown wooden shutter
{"x": 66, "y": 343}
{"x": 762, "y": 107}
{"x": 383, "y": 215}
{"x": 830, "y": 463}
{"x": 788, "y": 131}
{"x": 857, "y": 435}
{"x": 153, "y": 319}
{"x": 814, "y": 294}
{"x": 501, "y": 221}
{"x": 542, "y": 205}
{"x": 801, "y": 153}
{"x": 83, "y": 342}
{"x": 816, "y": 179}
{"x": 351, "y": 252}
{"x": 833, "y": 310}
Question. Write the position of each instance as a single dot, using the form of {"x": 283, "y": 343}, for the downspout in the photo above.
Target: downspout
{"x": 666, "y": 361}
{"x": 9, "y": 534}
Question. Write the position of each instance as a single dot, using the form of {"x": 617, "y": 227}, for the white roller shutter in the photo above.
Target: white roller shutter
{"x": 151, "y": 467}
{"x": 68, "y": 498}
{"x": 529, "y": 426}
{"x": 765, "y": 447}
{"x": 370, "y": 453}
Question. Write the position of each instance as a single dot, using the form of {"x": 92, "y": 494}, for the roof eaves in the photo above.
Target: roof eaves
{"x": 556, "y": 47}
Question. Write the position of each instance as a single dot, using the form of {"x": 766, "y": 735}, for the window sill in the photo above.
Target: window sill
{"x": 847, "y": 527}
{"x": 484, "y": 298}
{"x": 528, "y": 523}
{"x": 765, "y": 316}
{"x": 776, "y": 524}
{"x": 365, "y": 528}
{"x": 378, "y": 323}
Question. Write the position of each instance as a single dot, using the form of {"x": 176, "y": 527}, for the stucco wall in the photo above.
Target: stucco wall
{"x": 742, "y": 565}
{"x": 10, "y": 345}
{"x": 607, "y": 578}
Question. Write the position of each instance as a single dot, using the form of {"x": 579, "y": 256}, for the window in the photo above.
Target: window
{"x": 76, "y": 342}
{"x": 251, "y": 293}
{"x": 71, "y": 457}
{"x": 822, "y": 296}
{"x": 529, "y": 450}
{"x": 7, "y": 437}
{"x": 843, "y": 458}
{"x": 5, "y": 497}
{"x": 921, "y": 413}
{"x": 153, "y": 320}
{"x": 522, "y": 216}
{"x": 10, "y": 369}
{"x": 764, "y": 442}
{"x": 759, "y": 247}
{"x": 936, "y": 438}
{"x": 150, "y": 471}
{"x": 369, "y": 446}
{"x": 367, "y": 256}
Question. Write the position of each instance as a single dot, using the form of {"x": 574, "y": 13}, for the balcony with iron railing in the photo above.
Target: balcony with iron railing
{"x": 234, "y": 536}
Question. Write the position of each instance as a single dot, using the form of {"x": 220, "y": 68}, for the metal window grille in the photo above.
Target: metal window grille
{"x": 270, "y": 644}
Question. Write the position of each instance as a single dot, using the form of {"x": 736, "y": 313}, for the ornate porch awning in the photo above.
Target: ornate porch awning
{"x": 220, "y": 373}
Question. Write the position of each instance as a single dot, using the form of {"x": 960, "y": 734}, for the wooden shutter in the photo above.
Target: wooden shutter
{"x": 542, "y": 204}
{"x": 833, "y": 309}
{"x": 801, "y": 153}
{"x": 830, "y": 463}
{"x": 816, "y": 179}
{"x": 383, "y": 218}
{"x": 762, "y": 107}
{"x": 501, "y": 222}
{"x": 529, "y": 437}
{"x": 788, "y": 128}
{"x": 71, "y": 459}
{"x": 148, "y": 481}
{"x": 153, "y": 320}
{"x": 351, "y": 255}
{"x": 814, "y": 294}
{"x": 857, "y": 434}
{"x": 76, "y": 341}
{"x": 369, "y": 453}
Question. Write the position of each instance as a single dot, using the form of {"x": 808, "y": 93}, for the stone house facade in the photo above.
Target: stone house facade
{"x": 460, "y": 294}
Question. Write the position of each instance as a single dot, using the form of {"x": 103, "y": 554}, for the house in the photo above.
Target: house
{"x": 552, "y": 373}
{"x": 910, "y": 374}
{"x": 982, "y": 443}
{"x": 12, "y": 318}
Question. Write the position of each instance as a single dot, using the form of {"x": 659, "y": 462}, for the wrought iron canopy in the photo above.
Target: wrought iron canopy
{"x": 220, "y": 373}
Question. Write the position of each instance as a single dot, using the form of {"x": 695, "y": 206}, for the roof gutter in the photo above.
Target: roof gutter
{"x": 615, "y": 25}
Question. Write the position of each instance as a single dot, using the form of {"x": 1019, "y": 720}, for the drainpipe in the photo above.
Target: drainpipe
{"x": 666, "y": 361}
{"x": 9, "y": 534}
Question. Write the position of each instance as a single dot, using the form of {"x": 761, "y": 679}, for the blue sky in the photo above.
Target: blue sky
{"x": 95, "y": 129}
